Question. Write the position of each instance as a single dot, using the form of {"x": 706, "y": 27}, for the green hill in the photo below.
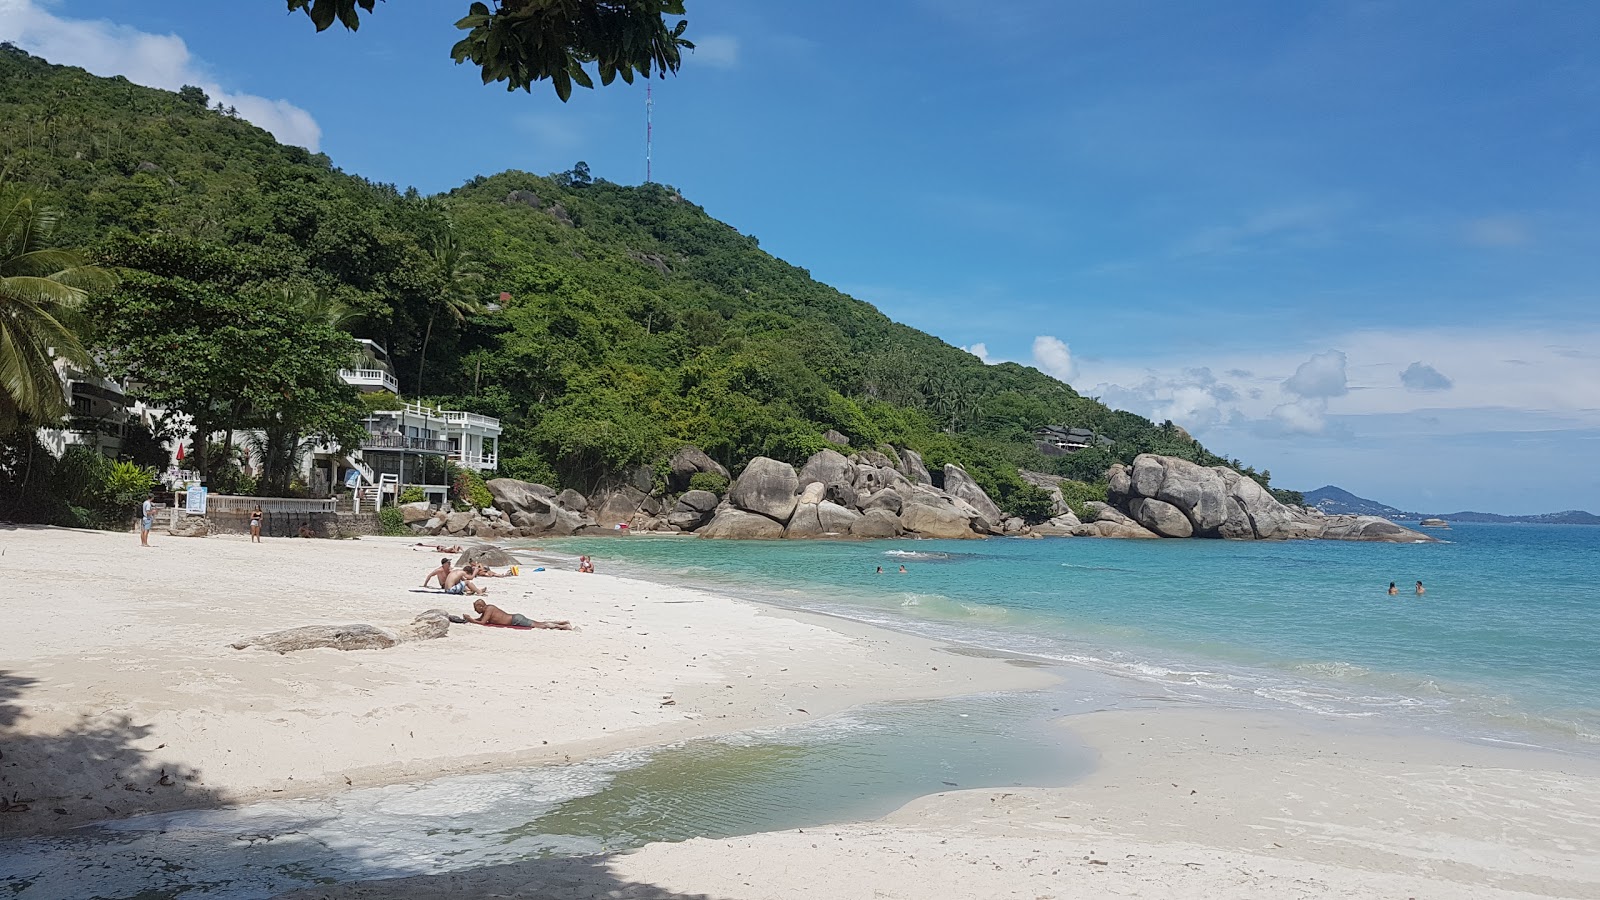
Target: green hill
{"x": 633, "y": 321}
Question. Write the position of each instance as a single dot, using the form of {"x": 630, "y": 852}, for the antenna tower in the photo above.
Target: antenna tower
{"x": 649, "y": 128}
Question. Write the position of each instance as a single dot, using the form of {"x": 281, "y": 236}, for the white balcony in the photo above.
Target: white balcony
{"x": 371, "y": 380}
{"x": 482, "y": 462}
{"x": 457, "y": 417}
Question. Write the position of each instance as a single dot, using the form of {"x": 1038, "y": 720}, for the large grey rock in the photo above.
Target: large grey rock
{"x": 877, "y": 523}
{"x": 457, "y": 522}
{"x": 693, "y": 509}
{"x": 1367, "y": 528}
{"x": 876, "y": 459}
{"x": 835, "y": 438}
{"x": 435, "y": 623}
{"x": 842, "y": 493}
{"x": 511, "y": 495}
{"x": 836, "y": 519}
{"x": 1118, "y": 484}
{"x": 768, "y": 487}
{"x": 1146, "y": 477}
{"x": 804, "y": 523}
{"x": 827, "y": 467}
{"x": 1114, "y": 530}
{"x": 812, "y": 493}
{"x": 889, "y": 500}
{"x": 687, "y": 463}
{"x": 485, "y": 555}
{"x": 554, "y": 520}
{"x": 1050, "y": 484}
{"x": 1236, "y": 526}
{"x": 737, "y": 523}
{"x": 619, "y": 504}
{"x": 1200, "y": 492}
{"x": 916, "y": 470}
{"x": 936, "y": 521}
{"x": 957, "y": 483}
{"x": 415, "y": 513}
{"x": 1105, "y": 512}
{"x": 1060, "y": 526}
{"x": 571, "y": 499}
{"x": 1161, "y": 517}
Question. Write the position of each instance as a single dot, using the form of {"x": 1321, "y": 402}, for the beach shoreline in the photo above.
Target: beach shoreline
{"x": 1186, "y": 801}
{"x": 120, "y": 694}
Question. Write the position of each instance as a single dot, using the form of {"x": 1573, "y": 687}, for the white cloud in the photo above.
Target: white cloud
{"x": 981, "y": 351}
{"x": 1321, "y": 376}
{"x": 1052, "y": 356}
{"x": 1420, "y": 377}
{"x": 1498, "y": 231}
{"x": 719, "y": 50}
{"x": 154, "y": 60}
{"x": 1308, "y": 415}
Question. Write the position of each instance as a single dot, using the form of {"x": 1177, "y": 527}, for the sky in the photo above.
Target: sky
{"x": 1355, "y": 243}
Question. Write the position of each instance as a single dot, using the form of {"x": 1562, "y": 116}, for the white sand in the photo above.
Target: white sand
{"x": 116, "y": 671}
{"x": 1187, "y": 803}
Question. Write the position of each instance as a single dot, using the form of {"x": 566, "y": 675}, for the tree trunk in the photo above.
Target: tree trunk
{"x": 422, "y": 357}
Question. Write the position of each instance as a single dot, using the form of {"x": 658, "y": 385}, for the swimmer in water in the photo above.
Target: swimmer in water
{"x": 1392, "y": 589}
{"x": 880, "y": 571}
{"x": 1420, "y": 589}
{"x": 902, "y": 570}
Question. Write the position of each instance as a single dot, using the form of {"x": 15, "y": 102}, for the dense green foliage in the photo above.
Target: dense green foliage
{"x": 708, "y": 481}
{"x": 613, "y": 324}
{"x": 391, "y": 521}
{"x": 82, "y": 489}
{"x": 41, "y": 287}
{"x": 524, "y": 41}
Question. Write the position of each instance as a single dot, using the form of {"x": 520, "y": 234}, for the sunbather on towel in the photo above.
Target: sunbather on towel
{"x": 489, "y": 614}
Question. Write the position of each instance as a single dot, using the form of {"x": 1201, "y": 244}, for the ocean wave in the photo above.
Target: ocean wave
{"x": 916, "y": 554}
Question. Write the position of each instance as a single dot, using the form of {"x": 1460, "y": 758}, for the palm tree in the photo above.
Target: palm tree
{"x": 40, "y": 290}
{"x": 459, "y": 279}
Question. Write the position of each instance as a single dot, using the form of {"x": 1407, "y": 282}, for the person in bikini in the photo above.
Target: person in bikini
{"x": 585, "y": 564}
{"x": 255, "y": 525}
{"x": 489, "y": 614}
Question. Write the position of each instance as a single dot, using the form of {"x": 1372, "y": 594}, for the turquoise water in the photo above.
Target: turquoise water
{"x": 1505, "y": 644}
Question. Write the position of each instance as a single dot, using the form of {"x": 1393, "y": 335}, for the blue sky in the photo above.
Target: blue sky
{"x": 1351, "y": 242}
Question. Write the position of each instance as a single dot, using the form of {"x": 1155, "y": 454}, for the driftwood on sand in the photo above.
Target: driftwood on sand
{"x": 434, "y": 623}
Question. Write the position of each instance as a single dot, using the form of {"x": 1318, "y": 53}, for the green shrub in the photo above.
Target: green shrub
{"x": 1033, "y": 505}
{"x": 709, "y": 481}
{"x": 469, "y": 489}
{"x": 391, "y": 520}
{"x": 412, "y": 494}
{"x": 1078, "y": 493}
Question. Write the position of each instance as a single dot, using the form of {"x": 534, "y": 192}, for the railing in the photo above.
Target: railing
{"x": 390, "y": 440}
{"x": 481, "y": 461}
{"x": 225, "y": 503}
{"x": 370, "y": 377}
{"x": 457, "y": 417}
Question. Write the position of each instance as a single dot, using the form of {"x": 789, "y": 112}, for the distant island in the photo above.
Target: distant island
{"x": 1338, "y": 501}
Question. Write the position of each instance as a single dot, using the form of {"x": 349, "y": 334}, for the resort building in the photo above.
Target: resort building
{"x": 1058, "y": 440}
{"x": 99, "y": 417}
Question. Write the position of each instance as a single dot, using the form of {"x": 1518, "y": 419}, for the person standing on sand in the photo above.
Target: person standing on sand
{"x": 1392, "y": 589}
{"x": 147, "y": 511}
{"x": 255, "y": 525}
{"x": 1420, "y": 589}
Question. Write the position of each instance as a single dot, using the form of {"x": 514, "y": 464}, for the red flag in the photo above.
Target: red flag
{"x": 180, "y": 453}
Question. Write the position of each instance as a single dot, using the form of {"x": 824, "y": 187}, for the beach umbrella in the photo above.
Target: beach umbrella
{"x": 180, "y": 452}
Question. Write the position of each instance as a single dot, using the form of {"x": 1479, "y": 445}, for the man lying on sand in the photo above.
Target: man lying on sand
{"x": 437, "y": 548}
{"x": 479, "y": 570}
{"x": 489, "y": 614}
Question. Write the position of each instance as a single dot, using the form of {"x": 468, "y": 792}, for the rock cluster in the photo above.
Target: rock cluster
{"x": 1163, "y": 496}
{"x": 885, "y": 492}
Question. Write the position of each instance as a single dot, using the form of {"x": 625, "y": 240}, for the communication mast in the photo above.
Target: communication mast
{"x": 649, "y": 128}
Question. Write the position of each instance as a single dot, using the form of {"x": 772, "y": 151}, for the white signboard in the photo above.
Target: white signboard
{"x": 195, "y": 500}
